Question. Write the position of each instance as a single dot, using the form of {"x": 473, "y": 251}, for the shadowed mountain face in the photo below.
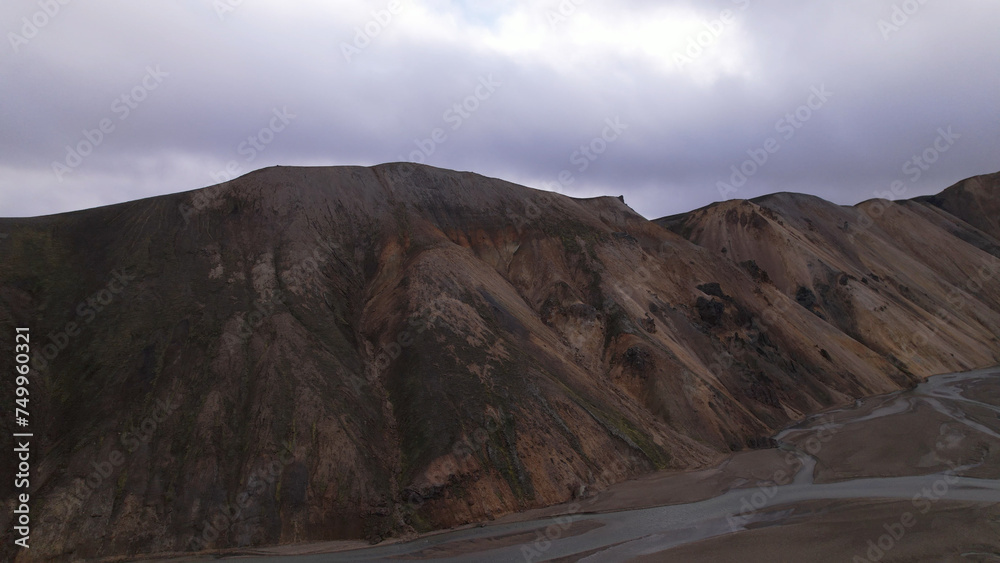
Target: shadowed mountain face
{"x": 331, "y": 353}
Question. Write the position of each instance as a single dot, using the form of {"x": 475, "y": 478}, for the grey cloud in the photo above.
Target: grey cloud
{"x": 227, "y": 76}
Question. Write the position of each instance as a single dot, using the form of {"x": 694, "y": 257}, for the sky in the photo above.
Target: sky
{"x": 672, "y": 104}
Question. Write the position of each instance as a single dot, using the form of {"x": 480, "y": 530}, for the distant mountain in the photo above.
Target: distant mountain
{"x": 306, "y": 354}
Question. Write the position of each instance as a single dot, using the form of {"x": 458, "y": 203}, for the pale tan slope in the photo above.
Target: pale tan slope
{"x": 906, "y": 280}
{"x": 973, "y": 200}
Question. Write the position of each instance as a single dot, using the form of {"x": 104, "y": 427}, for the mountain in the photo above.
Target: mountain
{"x": 306, "y": 354}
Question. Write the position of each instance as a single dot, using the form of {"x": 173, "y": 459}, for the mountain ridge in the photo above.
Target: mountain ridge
{"x": 361, "y": 352}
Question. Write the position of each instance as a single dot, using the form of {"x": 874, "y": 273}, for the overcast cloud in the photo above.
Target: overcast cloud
{"x": 668, "y": 97}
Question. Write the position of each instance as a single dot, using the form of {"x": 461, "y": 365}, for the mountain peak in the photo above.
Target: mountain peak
{"x": 414, "y": 348}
